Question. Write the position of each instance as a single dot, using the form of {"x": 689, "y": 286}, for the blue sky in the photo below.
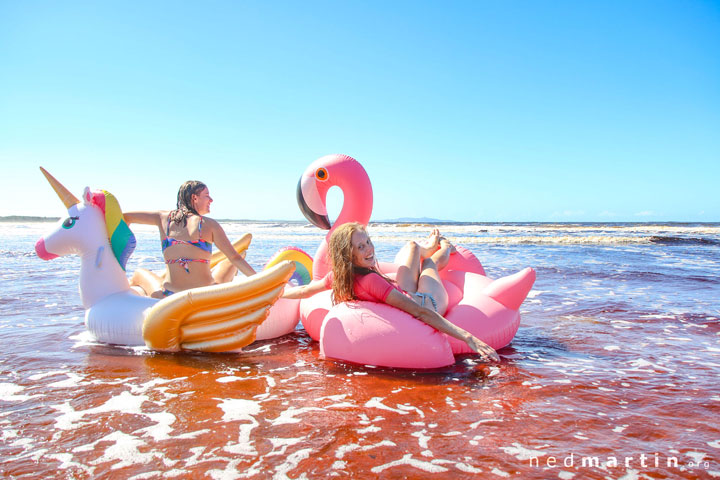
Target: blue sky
{"x": 472, "y": 111}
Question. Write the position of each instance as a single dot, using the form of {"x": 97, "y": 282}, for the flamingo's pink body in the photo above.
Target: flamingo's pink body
{"x": 377, "y": 334}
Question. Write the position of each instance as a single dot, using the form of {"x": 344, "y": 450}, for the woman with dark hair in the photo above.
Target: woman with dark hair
{"x": 417, "y": 289}
{"x": 187, "y": 238}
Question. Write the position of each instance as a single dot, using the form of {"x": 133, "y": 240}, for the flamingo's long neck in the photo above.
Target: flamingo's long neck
{"x": 357, "y": 207}
{"x": 100, "y": 275}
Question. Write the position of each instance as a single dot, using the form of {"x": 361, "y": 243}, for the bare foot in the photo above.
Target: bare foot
{"x": 445, "y": 243}
{"x": 430, "y": 245}
{"x": 442, "y": 256}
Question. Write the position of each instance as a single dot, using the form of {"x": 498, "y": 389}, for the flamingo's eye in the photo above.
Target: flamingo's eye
{"x": 69, "y": 222}
{"x": 321, "y": 174}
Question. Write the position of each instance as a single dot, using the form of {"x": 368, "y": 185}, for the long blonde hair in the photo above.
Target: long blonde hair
{"x": 340, "y": 253}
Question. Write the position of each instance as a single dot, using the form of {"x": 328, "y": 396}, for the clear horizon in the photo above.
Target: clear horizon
{"x": 473, "y": 111}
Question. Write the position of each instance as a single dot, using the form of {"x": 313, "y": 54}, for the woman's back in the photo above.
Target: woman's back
{"x": 187, "y": 253}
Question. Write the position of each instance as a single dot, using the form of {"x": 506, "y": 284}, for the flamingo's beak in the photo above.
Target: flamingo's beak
{"x": 310, "y": 203}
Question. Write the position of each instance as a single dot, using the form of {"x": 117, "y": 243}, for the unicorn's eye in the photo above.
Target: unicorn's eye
{"x": 69, "y": 222}
{"x": 321, "y": 174}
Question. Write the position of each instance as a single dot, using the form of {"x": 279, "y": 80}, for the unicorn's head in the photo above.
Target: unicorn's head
{"x": 93, "y": 224}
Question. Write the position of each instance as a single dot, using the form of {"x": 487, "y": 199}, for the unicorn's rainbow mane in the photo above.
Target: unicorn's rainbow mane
{"x": 122, "y": 240}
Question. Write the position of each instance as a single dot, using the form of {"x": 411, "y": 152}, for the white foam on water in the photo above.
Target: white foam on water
{"x": 238, "y": 409}
{"x": 292, "y": 462}
{"x": 464, "y": 467}
{"x": 66, "y": 461}
{"x": 244, "y": 446}
{"x": 376, "y": 402}
{"x": 280, "y": 445}
{"x": 351, "y": 447}
{"x": 697, "y": 457}
{"x": 229, "y": 379}
{"x": 499, "y": 473}
{"x": 715, "y": 444}
{"x": 334, "y": 398}
{"x": 370, "y": 429}
{"x": 304, "y": 372}
{"x": 231, "y": 472}
{"x": 422, "y": 438}
{"x": 408, "y": 460}
{"x": 124, "y": 452}
{"x": 125, "y": 402}
{"x": 611, "y": 348}
{"x": 73, "y": 380}
{"x": 189, "y": 435}
{"x": 565, "y": 475}
{"x": 7, "y": 434}
{"x": 40, "y": 376}
{"x": 522, "y": 453}
{"x": 288, "y": 416}
{"x": 161, "y": 430}
{"x": 486, "y": 420}
{"x": 84, "y": 339}
{"x": 9, "y": 393}
{"x": 640, "y": 363}
{"x": 411, "y": 408}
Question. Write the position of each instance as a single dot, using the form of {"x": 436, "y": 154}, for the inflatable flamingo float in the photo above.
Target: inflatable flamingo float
{"x": 378, "y": 334}
{"x": 220, "y": 317}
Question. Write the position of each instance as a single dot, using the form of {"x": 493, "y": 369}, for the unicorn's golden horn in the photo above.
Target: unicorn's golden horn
{"x": 67, "y": 198}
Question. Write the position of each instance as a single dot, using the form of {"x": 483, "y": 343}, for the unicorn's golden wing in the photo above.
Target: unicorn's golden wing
{"x": 240, "y": 245}
{"x": 217, "y": 318}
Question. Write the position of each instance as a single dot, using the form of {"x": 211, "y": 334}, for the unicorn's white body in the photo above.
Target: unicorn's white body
{"x": 215, "y": 318}
{"x": 113, "y": 312}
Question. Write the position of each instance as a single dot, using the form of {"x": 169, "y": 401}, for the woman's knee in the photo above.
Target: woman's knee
{"x": 429, "y": 263}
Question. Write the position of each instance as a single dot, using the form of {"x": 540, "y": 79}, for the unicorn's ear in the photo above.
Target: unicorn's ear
{"x": 87, "y": 196}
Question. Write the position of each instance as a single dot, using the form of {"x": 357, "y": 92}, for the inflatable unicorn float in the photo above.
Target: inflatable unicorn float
{"x": 222, "y": 317}
{"x": 378, "y": 334}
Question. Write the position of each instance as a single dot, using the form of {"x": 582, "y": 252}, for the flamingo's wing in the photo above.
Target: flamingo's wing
{"x": 218, "y": 318}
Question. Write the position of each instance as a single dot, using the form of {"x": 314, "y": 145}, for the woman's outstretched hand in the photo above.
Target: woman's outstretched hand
{"x": 482, "y": 349}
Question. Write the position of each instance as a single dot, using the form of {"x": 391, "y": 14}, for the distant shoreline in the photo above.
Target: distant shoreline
{"x": 396, "y": 221}
{"x": 23, "y": 218}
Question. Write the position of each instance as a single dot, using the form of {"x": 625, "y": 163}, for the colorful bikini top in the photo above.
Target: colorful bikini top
{"x": 169, "y": 241}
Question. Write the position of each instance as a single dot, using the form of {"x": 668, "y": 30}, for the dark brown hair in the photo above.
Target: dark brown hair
{"x": 184, "y": 201}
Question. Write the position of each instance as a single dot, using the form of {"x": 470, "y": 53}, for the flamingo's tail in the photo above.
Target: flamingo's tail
{"x": 512, "y": 290}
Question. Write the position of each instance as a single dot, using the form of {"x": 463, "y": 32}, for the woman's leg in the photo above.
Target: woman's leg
{"x": 429, "y": 281}
{"x": 224, "y": 271}
{"x": 146, "y": 282}
{"x": 410, "y": 258}
{"x": 408, "y": 261}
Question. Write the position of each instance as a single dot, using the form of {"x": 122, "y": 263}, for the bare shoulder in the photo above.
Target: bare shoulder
{"x": 211, "y": 223}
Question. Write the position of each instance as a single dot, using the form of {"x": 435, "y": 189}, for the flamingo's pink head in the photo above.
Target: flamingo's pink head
{"x": 330, "y": 171}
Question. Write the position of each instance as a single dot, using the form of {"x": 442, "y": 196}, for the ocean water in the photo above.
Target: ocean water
{"x": 613, "y": 372}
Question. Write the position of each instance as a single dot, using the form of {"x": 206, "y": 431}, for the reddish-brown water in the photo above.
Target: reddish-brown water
{"x": 610, "y": 376}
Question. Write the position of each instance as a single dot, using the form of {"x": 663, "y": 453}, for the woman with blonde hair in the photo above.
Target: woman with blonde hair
{"x": 417, "y": 289}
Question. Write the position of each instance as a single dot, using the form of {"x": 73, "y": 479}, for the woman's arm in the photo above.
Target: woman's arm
{"x": 438, "y": 322}
{"x": 305, "y": 291}
{"x": 220, "y": 239}
{"x": 145, "y": 218}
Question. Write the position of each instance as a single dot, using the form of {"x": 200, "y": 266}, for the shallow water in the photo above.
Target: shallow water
{"x": 616, "y": 362}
